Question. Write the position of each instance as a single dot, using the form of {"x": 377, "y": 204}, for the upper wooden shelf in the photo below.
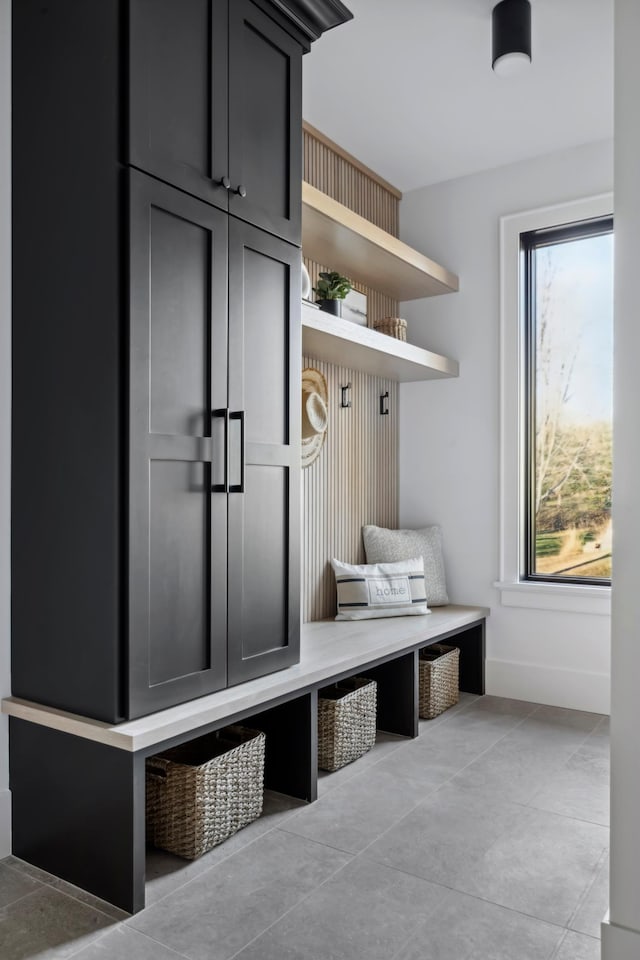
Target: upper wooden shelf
{"x": 342, "y": 240}
{"x": 347, "y": 344}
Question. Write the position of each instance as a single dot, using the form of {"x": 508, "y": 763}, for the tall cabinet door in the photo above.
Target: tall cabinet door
{"x": 264, "y": 453}
{"x": 177, "y": 499}
{"x": 265, "y": 122}
{"x": 178, "y": 93}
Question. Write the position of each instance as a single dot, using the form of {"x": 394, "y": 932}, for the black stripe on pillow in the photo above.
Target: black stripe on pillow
{"x": 350, "y": 579}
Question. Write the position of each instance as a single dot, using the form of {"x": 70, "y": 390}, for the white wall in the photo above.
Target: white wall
{"x": 621, "y": 937}
{"x": 450, "y": 430}
{"x": 5, "y": 409}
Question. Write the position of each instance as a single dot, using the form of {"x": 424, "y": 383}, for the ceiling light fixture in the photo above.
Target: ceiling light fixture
{"x": 511, "y": 23}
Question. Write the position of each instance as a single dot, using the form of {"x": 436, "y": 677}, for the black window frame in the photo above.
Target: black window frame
{"x": 530, "y": 242}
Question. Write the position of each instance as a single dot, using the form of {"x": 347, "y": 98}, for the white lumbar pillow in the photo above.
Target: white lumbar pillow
{"x": 380, "y": 590}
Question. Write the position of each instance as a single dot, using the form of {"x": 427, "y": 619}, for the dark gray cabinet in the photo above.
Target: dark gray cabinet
{"x": 213, "y": 449}
{"x": 156, "y": 347}
{"x": 215, "y": 106}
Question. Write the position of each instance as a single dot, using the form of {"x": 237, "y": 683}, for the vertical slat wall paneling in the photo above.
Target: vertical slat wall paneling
{"x": 343, "y": 178}
{"x": 354, "y": 481}
{"x": 351, "y": 483}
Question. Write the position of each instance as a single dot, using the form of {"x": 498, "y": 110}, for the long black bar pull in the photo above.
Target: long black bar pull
{"x": 238, "y": 415}
{"x": 384, "y": 407}
{"x": 220, "y": 452}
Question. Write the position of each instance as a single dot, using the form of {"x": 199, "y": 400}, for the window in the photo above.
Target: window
{"x": 568, "y": 337}
{"x": 556, "y": 375}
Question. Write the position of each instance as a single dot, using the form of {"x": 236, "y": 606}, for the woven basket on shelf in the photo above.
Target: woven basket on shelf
{"x": 392, "y": 326}
{"x": 202, "y": 792}
{"x": 346, "y": 722}
{"x": 438, "y": 679}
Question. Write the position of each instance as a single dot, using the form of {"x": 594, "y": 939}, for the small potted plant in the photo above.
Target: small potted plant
{"x": 331, "y": 290}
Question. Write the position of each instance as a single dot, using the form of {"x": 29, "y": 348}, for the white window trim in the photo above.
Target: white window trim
{"x": 514, "y": 591}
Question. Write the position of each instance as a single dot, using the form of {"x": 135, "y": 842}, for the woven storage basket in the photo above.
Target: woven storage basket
{"x": 392, "y": 326}
{"x": 202, "y": 792}
{"x": 346, "y": 722}
{"x": 438, "y": 679}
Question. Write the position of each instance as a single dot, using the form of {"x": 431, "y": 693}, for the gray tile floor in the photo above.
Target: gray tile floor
{"x": 484, "y": 839}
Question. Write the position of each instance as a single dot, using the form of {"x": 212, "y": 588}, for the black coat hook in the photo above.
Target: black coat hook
{"x": 384, "y": 408}
{"x": 344, "y": 402}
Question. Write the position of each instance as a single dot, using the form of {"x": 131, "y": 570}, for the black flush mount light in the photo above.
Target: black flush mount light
{"x": 511, "y": 23}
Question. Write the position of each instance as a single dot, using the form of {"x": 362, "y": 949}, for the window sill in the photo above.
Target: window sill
{"x": 569, "y": 598}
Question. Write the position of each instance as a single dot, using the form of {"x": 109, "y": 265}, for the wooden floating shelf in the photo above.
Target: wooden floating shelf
{"x": 342, "y": 240}
{"x": 347, "y": 344}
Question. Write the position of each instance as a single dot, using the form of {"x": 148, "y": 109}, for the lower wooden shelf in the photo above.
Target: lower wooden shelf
{"x": 347, "y": 344}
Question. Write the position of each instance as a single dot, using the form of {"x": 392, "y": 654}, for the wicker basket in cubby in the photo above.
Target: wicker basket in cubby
{"x": 346, "y": 722}
{"x": 439, "y": 666}
{"x": 202, "y": 792}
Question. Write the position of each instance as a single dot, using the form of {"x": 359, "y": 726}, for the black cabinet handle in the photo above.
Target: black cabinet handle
{"x": 224, "y": 182}
{"x": 240, "y": 190}
{"x": 224, "y": 486}
{"x": 239, "y": 487}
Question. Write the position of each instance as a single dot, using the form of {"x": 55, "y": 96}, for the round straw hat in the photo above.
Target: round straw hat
{"x": 315, "y": 415}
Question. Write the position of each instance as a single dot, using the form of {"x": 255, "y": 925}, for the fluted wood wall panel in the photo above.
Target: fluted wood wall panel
{"x": 354, "y": 481}
{"x": 336, "y": 176}
{"x": 345, "y": 182}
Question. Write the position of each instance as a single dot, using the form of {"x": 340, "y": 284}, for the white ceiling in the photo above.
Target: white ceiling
{"x": 407, "y": 86}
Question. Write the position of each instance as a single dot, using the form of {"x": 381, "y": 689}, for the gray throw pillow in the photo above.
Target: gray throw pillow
{"x": 382, "y": 546}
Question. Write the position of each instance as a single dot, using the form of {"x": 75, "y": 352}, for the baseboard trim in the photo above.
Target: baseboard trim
{"x": 619, "y": 943}
{"x": 5, "y": 823}
{"x": 575, "y": 689}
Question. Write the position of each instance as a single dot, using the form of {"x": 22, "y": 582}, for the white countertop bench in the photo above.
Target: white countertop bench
{"x": 328, "y": 650}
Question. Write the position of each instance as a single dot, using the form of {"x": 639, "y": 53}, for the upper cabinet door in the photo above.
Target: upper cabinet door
{"x": 178, "y": 73}
{"x": 265, "y": 122}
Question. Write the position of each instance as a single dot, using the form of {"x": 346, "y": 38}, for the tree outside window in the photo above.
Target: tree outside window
{"x": 568, "y": 290}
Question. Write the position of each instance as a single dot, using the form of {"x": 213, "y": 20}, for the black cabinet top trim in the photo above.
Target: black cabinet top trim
{"x": 314, "y": 17}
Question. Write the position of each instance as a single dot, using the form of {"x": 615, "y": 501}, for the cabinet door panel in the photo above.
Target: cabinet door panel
{"x": 179, "y": 334}
{"x": 264, "y": 514}
{"x": 180, "y": 570}
{"x": 265, "y": 304}
{"x": 177, "y": 526}
{"x": 265, "y": 121}
{"x": 264, "y": 598}
{"x": 178, "y": 93}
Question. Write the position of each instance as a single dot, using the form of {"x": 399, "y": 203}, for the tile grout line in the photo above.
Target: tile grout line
{"x": 407, "y": 741}
{"x": 585, "y": 894}
{"x": 435, "y": 790}
{"x": 297, "y": 904}
{"x": 321, "y": 843}
{"x": 420, "y": 923}
{"x": 43, "y": 884}
{"x": 159, "y": 943}
{"x": 24, "y": 896}
{"x": 89, "y": 906}
{"x": 526, "y": 916}
{"x": 228, "y": 856}
{"x": 559, "y": 946}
